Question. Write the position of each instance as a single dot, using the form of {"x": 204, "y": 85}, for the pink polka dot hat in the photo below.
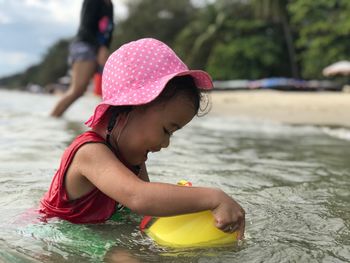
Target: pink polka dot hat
{"x": 138, "y": 71}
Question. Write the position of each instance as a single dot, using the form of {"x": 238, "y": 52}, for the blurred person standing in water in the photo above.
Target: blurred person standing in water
{"x": 89, "y": 50}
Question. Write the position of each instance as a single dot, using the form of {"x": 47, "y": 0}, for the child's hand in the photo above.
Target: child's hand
{"x": 229, "y": 216}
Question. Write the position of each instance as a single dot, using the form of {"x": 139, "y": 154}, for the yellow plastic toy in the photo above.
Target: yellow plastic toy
{"x": 189, "y": 230}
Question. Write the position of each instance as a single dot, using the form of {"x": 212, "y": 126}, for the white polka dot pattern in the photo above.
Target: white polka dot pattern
{"x": 138, "y": 71}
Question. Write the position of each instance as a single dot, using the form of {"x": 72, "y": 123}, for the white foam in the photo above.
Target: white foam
{"x": 340, "y": 133}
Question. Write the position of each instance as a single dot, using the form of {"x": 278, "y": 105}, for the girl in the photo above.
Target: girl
{"x": 89, "y": 50}
{"x": 148, "y": 94}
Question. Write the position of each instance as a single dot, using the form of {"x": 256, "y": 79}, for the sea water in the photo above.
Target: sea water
{"x": 293, "y": 182}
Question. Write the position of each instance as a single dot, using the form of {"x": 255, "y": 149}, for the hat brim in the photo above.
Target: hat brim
{"x": 201, "y": 78}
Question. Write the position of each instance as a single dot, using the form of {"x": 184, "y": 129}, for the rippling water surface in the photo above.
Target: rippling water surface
{"x": 293, "y": 182}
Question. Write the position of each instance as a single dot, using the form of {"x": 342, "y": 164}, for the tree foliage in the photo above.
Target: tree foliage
{"x": 276, "y": 11}
{"x": 324, "y": 29}
{"x": 149, "y": 18}
{"x": 232, "y": 39}
{"x": 53, "y": 65}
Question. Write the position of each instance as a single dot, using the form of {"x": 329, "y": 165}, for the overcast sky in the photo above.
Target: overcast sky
{"x": 29, "y": 27}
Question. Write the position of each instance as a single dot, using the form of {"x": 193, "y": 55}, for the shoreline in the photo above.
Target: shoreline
{"x": 323, "y": 108}
{"x": 314, "y": 108}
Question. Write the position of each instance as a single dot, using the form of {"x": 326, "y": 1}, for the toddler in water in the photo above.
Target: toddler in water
{"x": 148, "y": 94}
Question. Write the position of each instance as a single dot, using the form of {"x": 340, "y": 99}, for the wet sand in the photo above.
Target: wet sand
{"x": 316, "y": 108}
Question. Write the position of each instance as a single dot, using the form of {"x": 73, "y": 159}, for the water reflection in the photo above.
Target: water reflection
{"x": 293, "y": 182}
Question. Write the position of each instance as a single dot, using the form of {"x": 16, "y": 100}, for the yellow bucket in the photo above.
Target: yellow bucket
{"x": 188, "y": 230}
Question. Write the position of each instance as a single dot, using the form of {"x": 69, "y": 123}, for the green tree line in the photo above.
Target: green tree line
{"x": 231, "y": 39}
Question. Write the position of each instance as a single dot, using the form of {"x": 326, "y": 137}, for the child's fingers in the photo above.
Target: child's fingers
{"x": 227, "y": 227}
{"x": 219, "y": 225}
{"x": 241, "y": 225}
{"x": 241, "y": 229}
{"x": 230, "y": 228}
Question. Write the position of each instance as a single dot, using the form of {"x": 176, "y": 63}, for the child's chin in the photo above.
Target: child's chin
{"x": 144, "y": 159}
{"x": 139, "y": 161}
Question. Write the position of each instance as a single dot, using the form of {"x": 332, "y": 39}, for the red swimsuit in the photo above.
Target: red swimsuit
{"x": 94, "y": 207}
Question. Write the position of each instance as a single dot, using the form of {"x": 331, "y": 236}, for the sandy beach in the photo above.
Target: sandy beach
{"x": 317, "y": 108}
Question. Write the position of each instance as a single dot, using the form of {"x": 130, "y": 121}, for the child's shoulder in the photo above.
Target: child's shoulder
{"x": 88, "y": 136}
{"x": 91, "y": 147}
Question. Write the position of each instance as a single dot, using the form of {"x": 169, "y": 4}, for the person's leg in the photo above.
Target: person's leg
{"x": 82, "y": 72}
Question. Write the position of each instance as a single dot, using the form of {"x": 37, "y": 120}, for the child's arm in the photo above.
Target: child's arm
{"x": 98, "y": 164}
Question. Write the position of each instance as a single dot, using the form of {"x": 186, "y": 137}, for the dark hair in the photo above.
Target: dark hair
{"x": 185, "y": 85}
{"x": 181, "y": 85}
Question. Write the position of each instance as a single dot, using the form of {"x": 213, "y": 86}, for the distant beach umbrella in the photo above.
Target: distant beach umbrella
{"x": 337, "y": 68}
